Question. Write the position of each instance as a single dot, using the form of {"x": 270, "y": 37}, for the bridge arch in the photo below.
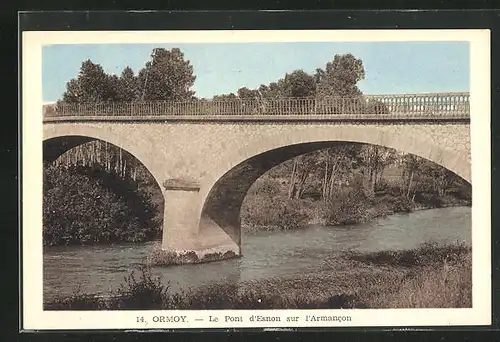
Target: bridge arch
{"x": 222, "y": 195}
{"x": 64, "y": 138}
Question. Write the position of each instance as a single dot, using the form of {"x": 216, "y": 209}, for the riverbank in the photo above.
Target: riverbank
{"x": 430, "y": 276}
{"x": 108, "y": 209}
{"x": 264, "y": 211}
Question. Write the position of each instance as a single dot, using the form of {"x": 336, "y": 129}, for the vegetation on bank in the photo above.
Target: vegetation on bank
{"x": 268, "y": 206}
{"x": 86, "y": 205}
{"x": 431, "y": 276}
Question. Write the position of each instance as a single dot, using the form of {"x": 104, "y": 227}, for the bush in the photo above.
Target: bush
{"x": 395, "y": 204}
{"x": 79, "y": 209}
{"x": 144, "y": 293}
{"x": 265, "y": 186}
{"x": 429, "y": 199}
{"x": 274, "y": 213}
{"x": 462, "y": 192}
{"x": 438, "y": 286}
{"x": 346, "y": 207}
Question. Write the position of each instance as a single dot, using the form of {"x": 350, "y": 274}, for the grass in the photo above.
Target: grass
{"x": 431, "y": 276}
{"x": 425, "y": 255}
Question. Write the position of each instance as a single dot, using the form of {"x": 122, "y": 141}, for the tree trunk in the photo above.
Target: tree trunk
{"x": 374, "y": 183}
{"x": 381, "y": 175}
{"x": 291, "y": 187}
{"x": 410, "y": 184}
{"x": 325, "y": 181}
{"x": 332, "y": 179}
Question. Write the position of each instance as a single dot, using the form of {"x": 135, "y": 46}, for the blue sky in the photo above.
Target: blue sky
{"x": 391, "y": 67}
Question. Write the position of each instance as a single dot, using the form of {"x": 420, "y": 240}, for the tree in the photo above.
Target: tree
{"x": 299, "y": 84}
{"x": 273, "y": 91}
{"x": 340, "y": 76}
{"x": 376, "y": 107}
{"x": 128, "y": 86}
{"x": 302, "y": 169}
{"x": 167, "y": 77}
{"x": 411, "y": 165}
{"x": 248, "y": 94}
{"x": 336, "y": 165}
{"x": 91, "y": 85}
{"x": 374, "y": 159}
{"x": 436, "y": 177}
{"x": 225, "y": 97}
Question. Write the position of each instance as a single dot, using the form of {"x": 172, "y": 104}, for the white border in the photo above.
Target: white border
{"x": 35, "y": 318}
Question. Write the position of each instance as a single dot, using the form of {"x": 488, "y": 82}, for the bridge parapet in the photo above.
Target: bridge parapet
{"x": 406, "y": 106}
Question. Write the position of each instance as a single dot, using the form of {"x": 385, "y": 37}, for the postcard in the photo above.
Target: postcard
{"x": 255, "y": 179}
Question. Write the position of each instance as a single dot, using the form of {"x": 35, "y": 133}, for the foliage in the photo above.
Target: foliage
{"x": 298, "y": 84}
{"x": 423, "y": 176}
{"x": 340, "y": 76}
{"x": 396, "y": 204}
{"x": 77, "y": 301}
{"x": 346, "y": 207}
{"x": 168, "y": 76}
{"x": 147, "y": 292}
{"x": 128, "y": 86}
{"x": 91, "y": 85}
{"x": 88, "y": 206}
{"x": 264, "y": 212}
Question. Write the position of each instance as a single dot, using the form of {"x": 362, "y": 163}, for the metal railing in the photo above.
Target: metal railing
{"x": 431, "y": 105}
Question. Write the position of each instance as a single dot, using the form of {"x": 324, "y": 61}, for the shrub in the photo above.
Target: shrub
{"x": 395, "y": 204}
{"x": 144, "y": 293}
{"x": 265, "y": 186}
{"x": 346, "y": 207}
{"x": 429, "y": 199}
{"x": 274, "y": 213}
{"x": 402, "y": 204}
{"x": 79, "y": 209}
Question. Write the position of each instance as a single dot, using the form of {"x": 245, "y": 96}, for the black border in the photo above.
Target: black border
{"x": 343, "y": 19}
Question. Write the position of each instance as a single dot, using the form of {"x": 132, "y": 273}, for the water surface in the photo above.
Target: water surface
{"x": 266, "y": 254}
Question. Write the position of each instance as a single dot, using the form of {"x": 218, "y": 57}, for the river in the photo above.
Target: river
{"x": 100, "y": 269}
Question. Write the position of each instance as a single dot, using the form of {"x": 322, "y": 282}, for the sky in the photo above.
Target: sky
{"x": 220, "y": 68}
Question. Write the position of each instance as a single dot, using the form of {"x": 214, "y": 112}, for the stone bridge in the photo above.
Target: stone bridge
{"x": 205, "y": 155}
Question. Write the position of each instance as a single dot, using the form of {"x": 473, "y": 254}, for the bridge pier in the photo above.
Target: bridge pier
{"x": 183, "y": 229}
